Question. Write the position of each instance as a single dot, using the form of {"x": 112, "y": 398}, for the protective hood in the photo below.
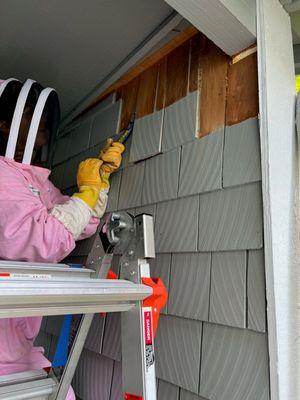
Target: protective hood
{"x": 45, "y": 103}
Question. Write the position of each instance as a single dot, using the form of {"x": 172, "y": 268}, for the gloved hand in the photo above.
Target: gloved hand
{"x": 111, "y": 156}
{"x": 89, "y": 181}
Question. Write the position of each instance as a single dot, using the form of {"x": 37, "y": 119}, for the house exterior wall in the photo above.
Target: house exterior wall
{"x": 194, "y": 164}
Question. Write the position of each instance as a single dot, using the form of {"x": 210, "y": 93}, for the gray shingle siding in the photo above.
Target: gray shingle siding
{"x": 180, "y": 122}
{"x": 205, "y": 195}
{"x": 151, "y": 127}
{"x": 167, "y": 391}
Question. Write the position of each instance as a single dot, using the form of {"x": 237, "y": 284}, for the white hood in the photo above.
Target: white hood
{"x": 46, "y": 95}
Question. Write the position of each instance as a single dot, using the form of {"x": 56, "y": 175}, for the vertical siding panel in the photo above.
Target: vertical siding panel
{"x": 197, "y": 43}
{"x": 162, "y": 84}
{"x": 177, "y": 73}
{"x": 129, "y": 99}
{"x": 167, "y": 391}
{"x": 147, "y": 92}
{"x": 242, "y": 96}
{"x": 214, "y": 65}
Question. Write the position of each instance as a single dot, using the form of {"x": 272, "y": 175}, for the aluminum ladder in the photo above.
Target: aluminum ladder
{"x": 33, "y": 289}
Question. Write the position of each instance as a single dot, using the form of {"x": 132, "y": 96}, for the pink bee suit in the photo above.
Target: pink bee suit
{"x": 30, "y": 231}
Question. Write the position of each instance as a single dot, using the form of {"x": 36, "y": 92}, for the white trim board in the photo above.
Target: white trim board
{"x": 280, "y": 187}
{"x": 230, "y": 24}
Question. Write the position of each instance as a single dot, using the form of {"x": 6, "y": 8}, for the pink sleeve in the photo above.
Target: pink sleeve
{"x": 58, "y": 198}
{"x": 27, "y": 231}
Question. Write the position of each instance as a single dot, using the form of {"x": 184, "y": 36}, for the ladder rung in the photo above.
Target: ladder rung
{"x": 42, "y": 271}
{"x": 20, "y": 377}
{"x": 32, "y": 390}
{"x": 29, "y": 297}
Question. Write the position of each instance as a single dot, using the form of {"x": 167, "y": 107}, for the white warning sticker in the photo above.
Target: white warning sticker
{"x": 24, "y": 276}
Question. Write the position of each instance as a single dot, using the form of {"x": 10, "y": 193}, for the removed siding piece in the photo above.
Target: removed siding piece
{"x": 61, "y": 149}
{"x": 167, "y": 391}
{"x": 94, "y": 338}
{"x": 231, "y": 219}
{"x": 234, "y": 364}
{"x": 256, "y": 291}
{"x": 189, "y": 286}
{"x": 214, "y": 65}
{"x": 242, "y": 94}
{"x": 147, "y": 136}
{"x": 178, "y": 225}
{"x": 147, "y": 91}
{"x": 242, "y": 162}
{"x": 180, "y": 122}
{"x": 131, "y": 186}
{"x": 180, "y": 338}
{"x": 161, "y": 177}
{"x": 113, "y": 194}
{"x": 160, "y": 268}
{"x": 112, "y": 337}
{"x": 177, "y": 73}
{"x": 105, "y": 124}
{"x": 201, "y": 165}
{"x": 93, "y": 376}
{"x": 228, "y": 289}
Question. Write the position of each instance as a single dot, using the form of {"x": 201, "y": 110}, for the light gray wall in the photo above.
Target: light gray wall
{"x": 205, "y": 195}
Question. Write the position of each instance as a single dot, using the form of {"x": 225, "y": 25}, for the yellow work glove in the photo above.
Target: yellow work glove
{"x": 89, "y": 181}
{"x": 111, "y": 156}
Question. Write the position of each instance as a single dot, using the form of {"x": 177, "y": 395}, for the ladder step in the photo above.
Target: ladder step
{"x": 20, "y": 377}
{"x": 35, "y": 385}
{"x": 41, "y": 271}
{"x": 31, "y": 297}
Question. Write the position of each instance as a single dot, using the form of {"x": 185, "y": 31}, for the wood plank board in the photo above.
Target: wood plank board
{"x": 177, "y": 74}
{"x": 152, "y": 59}
{"x": 197, "y": 44}
{"x": 162, "y": 84}
{"x": 214, "y": 65}
{"x": 242, "y": 95}
{"x": 147, "y": 91}
{"x": 129, "y": 98}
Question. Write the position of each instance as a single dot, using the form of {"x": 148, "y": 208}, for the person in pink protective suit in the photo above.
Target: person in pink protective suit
{"x": 37, "y": 222}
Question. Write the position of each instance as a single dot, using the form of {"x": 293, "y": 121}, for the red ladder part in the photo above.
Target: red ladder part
{"x": 157, "y": 300}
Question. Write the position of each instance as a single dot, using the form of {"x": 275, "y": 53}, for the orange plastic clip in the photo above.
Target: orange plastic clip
{"x": 157, "y": 300}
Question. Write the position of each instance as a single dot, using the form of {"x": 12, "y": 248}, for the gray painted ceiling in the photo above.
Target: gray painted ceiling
{"x": 72, "y": 45}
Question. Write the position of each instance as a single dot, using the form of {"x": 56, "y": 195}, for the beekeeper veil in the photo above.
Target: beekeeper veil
{"x": 45, "y": 107}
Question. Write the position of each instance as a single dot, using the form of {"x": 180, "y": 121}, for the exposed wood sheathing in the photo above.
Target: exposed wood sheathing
{"x": 214, "y": 65}
{"x": 205, "y": 196}
{"x": 242, "y": 94}
{"x": 226, "y": 97}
